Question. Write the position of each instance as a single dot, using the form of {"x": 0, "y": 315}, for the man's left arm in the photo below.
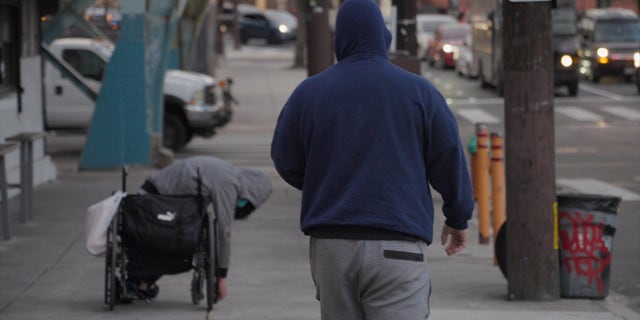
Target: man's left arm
{"x": 223, "y": 212}
{"x": 286, "y": 150}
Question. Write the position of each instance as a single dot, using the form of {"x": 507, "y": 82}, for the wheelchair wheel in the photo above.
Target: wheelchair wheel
{"x": 211, "y": 264}
{"x": 197, "y": 281}
{"x": 111, "y": 285}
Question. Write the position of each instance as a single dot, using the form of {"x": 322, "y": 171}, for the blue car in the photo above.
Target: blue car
{"x": 274, "y": 26}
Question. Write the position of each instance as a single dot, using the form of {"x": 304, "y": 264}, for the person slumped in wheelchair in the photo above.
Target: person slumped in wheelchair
{"x": 233, "y": 192}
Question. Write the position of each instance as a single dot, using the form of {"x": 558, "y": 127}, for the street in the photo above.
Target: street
{"x": 597, "y": 136}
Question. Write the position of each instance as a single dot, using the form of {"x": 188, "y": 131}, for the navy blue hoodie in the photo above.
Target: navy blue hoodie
{"x": 364, "y": 139}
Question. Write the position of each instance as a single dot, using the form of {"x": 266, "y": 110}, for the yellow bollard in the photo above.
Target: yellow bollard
{"x": 482, "y": 176}
{"x": 473, "y": 150}
{"x": 498, "y": 191}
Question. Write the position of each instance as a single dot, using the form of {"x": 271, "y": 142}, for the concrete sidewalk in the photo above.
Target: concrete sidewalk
{"x": 46, "y": 273}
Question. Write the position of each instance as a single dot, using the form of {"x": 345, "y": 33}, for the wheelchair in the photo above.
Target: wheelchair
{"x": 131, "y": 253}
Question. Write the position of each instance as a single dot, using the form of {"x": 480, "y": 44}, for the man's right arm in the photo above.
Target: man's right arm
{"x": 447, "y": 167}
{"x": 454, "y": 240}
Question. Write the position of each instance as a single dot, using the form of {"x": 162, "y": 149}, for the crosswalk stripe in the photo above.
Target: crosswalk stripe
{"x": 599, "y": 92}
{"x": 578, "y": 114}
{"x": 594, "y": 186}
{"x": 477, "y": 116}
{"x": 623, "y": 112}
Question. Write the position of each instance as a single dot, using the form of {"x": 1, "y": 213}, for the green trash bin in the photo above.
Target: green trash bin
{"x": 586, "y": 227}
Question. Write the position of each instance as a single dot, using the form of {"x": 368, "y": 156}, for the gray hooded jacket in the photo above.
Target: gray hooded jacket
{"x": 223, "y": 183}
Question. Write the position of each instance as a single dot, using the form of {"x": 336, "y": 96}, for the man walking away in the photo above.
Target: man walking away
{"x": 364, "y": 140}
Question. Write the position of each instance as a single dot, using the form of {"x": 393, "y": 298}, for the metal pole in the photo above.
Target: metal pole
{"x": 6, "y": 217}
{"x": 24, "y": 185}
{"x": 28, "y": 189}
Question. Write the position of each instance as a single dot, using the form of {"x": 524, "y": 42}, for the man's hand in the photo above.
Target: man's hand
{"x": 457, "y": 239}
{"x": 222, "y": 288}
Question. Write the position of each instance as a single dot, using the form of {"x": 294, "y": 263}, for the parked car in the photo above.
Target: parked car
{"x": 463, "y": 55}
{"x": 106, "y": 19}
{"x": 286, "y": 23}
{"x": 447, "y": 37}
{"x": 636, "y": 64}
{"x": 426, "y": 25}
{"x": 610, "y": 36}
{"x": 273, "y": 25}
{"x": 193, "y": 103}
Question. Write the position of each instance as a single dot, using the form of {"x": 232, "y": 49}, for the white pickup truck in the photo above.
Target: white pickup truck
{"x": 194, "y": 104}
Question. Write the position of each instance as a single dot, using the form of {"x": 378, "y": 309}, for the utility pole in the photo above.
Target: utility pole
{"x": 219, "y": 35}
{"x": 405, "y": 55}
{"x": 319, "y": 40}
{"x": 406, "y": 41}
{"x": 532, "y": 255}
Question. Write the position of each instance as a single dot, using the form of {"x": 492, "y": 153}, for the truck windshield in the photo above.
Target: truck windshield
{"x": 455, "y": 33}
{"x": 563, "y": 21}
{"x": 617, "y": 31}
{"x": 105, "y": 49}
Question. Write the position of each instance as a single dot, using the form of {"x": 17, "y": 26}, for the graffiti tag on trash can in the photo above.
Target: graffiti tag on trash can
{"x": 585, "y": 251}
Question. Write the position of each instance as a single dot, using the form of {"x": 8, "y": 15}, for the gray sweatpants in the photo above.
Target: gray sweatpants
{"x": 370, "y": 279}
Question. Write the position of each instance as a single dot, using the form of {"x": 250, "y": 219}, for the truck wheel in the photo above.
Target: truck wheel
{"x": 483, "y": 82}
{"x": 573, "y": 89}
{"x": 244, "y": 38}
{"x": 594, "y": 75}
{"x": 174, "y": 133}
{"x": 273, "y": 39}
{"x": 500, "y": 88}
{"x": 188, "y": 137}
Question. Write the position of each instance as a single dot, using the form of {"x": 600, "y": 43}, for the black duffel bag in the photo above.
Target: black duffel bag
{"x": 161, "y": 224}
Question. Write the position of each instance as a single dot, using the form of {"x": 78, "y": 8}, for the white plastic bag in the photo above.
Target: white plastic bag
{"x": 99, "y": 217}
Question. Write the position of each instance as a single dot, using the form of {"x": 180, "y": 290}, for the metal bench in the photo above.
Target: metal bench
{"x": 25, "y": 142}
{"x": 5, "y": 148}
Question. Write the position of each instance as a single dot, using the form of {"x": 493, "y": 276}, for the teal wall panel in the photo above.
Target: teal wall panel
{"x": 120, "y": 133}
{"x": 129, "y": 109}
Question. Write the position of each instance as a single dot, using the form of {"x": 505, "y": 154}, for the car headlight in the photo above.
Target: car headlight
{"x": 636, "y": 59}
{"x": 197, "y": 99}
{"x": 603, "y": 55}
{"x": 456, "y": 54}
{"x": 566, "y": 60}
{"x": 447, "y": 48}
{"x": 283, "y": 29}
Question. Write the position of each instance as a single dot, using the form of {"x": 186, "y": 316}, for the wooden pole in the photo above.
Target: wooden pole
{"x": 532, "y": 260}
{"x": 498, "y": 196}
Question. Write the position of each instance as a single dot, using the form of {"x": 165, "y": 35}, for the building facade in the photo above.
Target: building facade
{"x": 21, "y": 99}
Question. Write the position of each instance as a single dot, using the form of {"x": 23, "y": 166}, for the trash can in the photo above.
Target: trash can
{"x": 586, "y": 227}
